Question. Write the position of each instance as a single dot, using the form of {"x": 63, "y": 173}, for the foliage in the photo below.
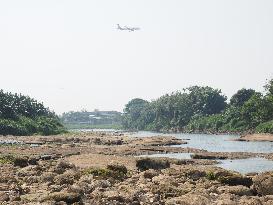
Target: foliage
{"x": 203, "y": 109}
{"x": 6, "y": 159}
{"x": 266, "y": 127}
{"x": 239, "y": 98}
{"x": 132, "y": 113}
{"x": 91, "y": 120}
{"x": 22, "y": 115}
{"x": 173, "y": 111}
{"x": 211, "y": 175}
{"x": 269, "y": 87}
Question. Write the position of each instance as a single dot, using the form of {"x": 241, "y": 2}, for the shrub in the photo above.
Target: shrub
{"x": 22, "y": 115}
{"x": 117, "y": 172}
{"x": 266, "y": 127}
{"x": 210, "y": 175}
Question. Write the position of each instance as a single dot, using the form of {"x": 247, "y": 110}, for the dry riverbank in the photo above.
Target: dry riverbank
{"x": 100, "y": 168}
{"x": 256, "y": 137}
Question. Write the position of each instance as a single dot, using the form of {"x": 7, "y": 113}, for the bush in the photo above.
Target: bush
{"x": 49, "y": 126}
{"x": 22, "y": 115}
{"x": 10, "y": 127}
{"x": 211, "y": 176}
{"x": 266, "y": 127}
{"x": 27, "y": 126}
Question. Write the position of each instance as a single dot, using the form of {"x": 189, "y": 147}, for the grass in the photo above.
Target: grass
{"x": 7, "y": 159}
{"x": 117, "y": 172}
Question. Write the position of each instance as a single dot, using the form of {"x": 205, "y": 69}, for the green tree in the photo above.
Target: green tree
{"x": 242, "y": 95}
{"x": 132, "y": 113}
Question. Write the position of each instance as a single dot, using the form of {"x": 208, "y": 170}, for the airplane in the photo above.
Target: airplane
{"x": 130, "y": 29}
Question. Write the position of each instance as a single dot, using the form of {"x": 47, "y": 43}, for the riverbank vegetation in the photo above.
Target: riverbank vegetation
{"x": 22, "y": 115}
{"x": 203, "y": 109}
{"x": 91, "y": 120}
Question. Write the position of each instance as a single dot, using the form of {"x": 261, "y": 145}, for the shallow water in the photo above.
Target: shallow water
{"x": 218, "y": 143}
{"x": 215, "y": 143}
{"x": 242, "y": 166}
{"x": 245, "y": 166}
{"x": 96, "y": 130}
{"x": 170, "y": 155}
{"x": 221, "y": 143}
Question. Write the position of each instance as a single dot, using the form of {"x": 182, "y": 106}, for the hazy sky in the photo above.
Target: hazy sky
{"x": 69, "y": 54}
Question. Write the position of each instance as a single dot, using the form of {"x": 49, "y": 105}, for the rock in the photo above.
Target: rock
{"x": 86, "y": 178}
{"x": 55, "y": 188}
{"x": 151, "y": 173}
{"x": 207, "y": 156}
{"x": 4, "y": 197}
{"x": 31, "y": 179}
{"x": 47, "y": 177}
{"x": 114, "y": 196}
{"x": 63, "y": 196}
{"x": 236, "y": 180}
{"x": 21, "y": 161}
{"x": 231, "y": 178}
{"x": 263, "y": 183}
{"x": 195, "y": 174}
{"x": 191, "y": 199}
{"x": 62, "y": 166}
{"x": 32, "y": 170}
{"x": 149, "y": 163}
{"x": 250, "y": 201}
{"x": 33, "y": 160}
{"x": 237, "y": 190}
{"x": 117, "y": 168}
{"x": 226, "y": 199}
{"x": 102, "y": 184}
{"x": 66, "y": 178}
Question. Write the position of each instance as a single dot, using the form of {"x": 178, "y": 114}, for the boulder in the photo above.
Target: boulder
{"x": 66, "y": 178}
{"x": 237, "y": 190}
{"x": 4, "y": 197}
{"x": 48, "y": 177}
{"x": 62, "y": 166}
{"x": 263, "y": 183}
{"x": 149, "y": 163}
{"x": 151, "y": 173}
{"x": 20, "y": 161}
{"x": 69, "y": 198}
{"x": 190, "y": 199}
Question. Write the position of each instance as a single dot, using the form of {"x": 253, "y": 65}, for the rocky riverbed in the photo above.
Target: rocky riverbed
{"x": 100, "y": 168}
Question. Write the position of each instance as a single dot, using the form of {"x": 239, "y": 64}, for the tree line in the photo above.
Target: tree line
{"x": 203, "y": 109}
{"x": 90, "y": 120}
{"x": 22, "y": 115}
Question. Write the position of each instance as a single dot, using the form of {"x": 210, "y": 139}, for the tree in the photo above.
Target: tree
{"x": 132, "y": 112}
{"x": 269, "y": 87}
{"x": 19, "y": 115}
{"x": 206, "y": 100}
{"x": 256, "y": 110}
{"x": 242, "y": 95}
